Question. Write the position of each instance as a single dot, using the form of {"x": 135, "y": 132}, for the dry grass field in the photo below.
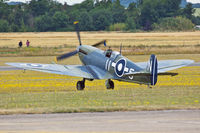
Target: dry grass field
{"x": 56, "y": 39}
{"x": 56, "y": 43}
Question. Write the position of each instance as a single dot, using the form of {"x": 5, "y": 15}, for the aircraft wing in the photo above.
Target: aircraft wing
{"x": 89, "y": 72}
{"x": 167, "y": 65}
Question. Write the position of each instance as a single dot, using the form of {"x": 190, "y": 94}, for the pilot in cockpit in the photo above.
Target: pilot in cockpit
{"x": 108, "y": 52}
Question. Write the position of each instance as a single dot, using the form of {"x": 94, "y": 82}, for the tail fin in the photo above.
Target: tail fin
{"x": 152, "y": 68}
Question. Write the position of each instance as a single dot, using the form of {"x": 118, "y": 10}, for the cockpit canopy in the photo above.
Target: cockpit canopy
{"x": 111, "y": 54}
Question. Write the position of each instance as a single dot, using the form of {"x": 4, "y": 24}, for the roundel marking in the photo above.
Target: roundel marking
{"x": 34, "y": 65}
{"x": 119, "y": 67}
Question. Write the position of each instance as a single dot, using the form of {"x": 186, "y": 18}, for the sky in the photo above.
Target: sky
{"x": 194, "y": 1}
{"x": 71, "y": 2}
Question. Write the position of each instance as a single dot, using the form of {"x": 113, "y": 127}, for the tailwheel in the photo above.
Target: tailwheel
{"x": 80, "y": 85}
{"x": 109, "y": 84}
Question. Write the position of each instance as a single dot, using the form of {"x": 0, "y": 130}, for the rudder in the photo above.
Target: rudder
{"x": 153, "y": 69}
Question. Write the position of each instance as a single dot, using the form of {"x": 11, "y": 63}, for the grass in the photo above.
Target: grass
{"x": 36, "y": 92}
{"x": 126, "y": 50}
{"x": 69, "y": 39}
{"x": 75, "y": 59}
{"x": 127, "y": 99}
{"x": 55, "y": 43}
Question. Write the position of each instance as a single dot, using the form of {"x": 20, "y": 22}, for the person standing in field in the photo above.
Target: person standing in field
{"x": 27, "y": 43}
{"x": 20, "y": 44}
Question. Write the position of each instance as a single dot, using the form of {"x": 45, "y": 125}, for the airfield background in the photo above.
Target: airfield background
{"x": 33, "y": 92}
{"x": 110, "y": 15}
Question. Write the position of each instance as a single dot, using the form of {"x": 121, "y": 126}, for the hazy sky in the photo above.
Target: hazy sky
{"x": 71, "y": 2}
{"x": 194, "y": 1}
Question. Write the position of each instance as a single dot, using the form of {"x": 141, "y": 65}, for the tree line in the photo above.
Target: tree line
{"x": 95, "y": 15}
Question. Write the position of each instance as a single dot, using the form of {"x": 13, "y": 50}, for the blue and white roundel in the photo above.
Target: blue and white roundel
{"x": 34, "y": 65}
{"x": 119, "y": 67}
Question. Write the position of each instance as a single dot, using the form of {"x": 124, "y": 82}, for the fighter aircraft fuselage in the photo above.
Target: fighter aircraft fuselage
{"x": 116, "y": 64}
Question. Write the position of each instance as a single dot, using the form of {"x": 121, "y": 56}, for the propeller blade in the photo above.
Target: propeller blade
{"x": 121, "y": 48}
{"x": 78, "y": 32}
{"x": 67, "y": 55}
{"x": 99, "y": 43}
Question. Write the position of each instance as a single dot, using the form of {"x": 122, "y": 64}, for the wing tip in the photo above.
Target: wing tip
{"x": 188, "y": 62}
{"x": 10, "y": 64}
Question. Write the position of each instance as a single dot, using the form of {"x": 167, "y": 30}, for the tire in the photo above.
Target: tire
{"x": 80, "y": 85}
{"x": 109, "y": 84}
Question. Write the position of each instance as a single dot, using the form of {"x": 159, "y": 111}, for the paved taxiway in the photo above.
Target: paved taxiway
{"x": 7, "y": 68}
{"x": 173, "y": 121}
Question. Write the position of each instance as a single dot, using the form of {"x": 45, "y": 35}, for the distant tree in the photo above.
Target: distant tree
{"x": 151, "y": 12}
{"x": 18, "y": 15}
{"x": 101, "y": 19}
{"x": 23, "y": 27}
{"x": 118, "y": 12}
{"x": 4, "y": 26}
{"x": 148, "y": 14}
{"x": 60, "y": 20}
{"x": 74, "y": 15}
{"x": 133, "y": 14}
{"x": 139, "y": 2}
{"x": 117, "y": 27}
{"x": 188, "y": 11}
{"x": 44, "y": 23}
{"x": 4, "y": 9}
{"x": 39, "y": 7}
{"x": 174, "y": 24}
{"x": 103, "y": 4}
{"x": 14, "y": 28}
{"x": 86, "y": 22}
{"x": 131, "y": 23}
{"x": 88, "y": 5}
{"x": 49, "y": 15}
{"x": 172, "y": 7}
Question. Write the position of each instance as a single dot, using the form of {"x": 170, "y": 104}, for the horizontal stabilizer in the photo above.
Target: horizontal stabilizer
{"x": 167, "y": 65}
{"x": 148, "y": 74}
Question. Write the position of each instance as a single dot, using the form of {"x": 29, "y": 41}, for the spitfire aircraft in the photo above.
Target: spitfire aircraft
{"x": 109, "y": 65}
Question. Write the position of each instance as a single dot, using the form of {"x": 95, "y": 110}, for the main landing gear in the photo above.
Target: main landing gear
{"x": 80, "y": 85}
{"x": 109, "y": 84}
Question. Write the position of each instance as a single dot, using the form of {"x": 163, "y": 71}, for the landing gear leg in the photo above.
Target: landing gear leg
{"x": 109, "y": 84}
{"x": 80, "y": 85}
{"x": 149, "y": 86}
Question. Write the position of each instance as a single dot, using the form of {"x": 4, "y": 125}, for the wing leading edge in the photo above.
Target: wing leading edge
{"x": 71, "y": 70}
{"x": 89, "y": 71}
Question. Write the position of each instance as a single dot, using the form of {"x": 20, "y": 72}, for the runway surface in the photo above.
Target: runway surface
{"x": 7, "y": 68}
{"x": 173, "y": 121}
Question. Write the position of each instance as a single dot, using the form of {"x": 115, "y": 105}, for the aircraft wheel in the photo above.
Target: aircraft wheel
{"x": 109, "y": 84}
{"x": 80, "y": 85}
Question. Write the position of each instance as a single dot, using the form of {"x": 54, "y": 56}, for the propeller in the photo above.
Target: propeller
{"x": 99, "y": 43}
{"x": 67, "y": 55}
{"x": 121, "y": 48}
{"x": 78, "y": 32}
